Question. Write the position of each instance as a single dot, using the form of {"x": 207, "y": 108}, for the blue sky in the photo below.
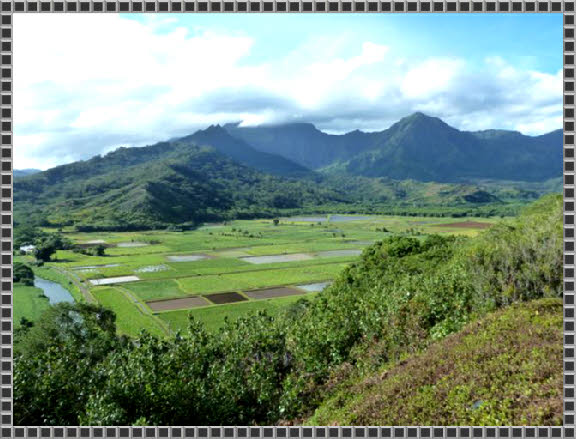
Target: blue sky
{"x": 152, "y": 77}
{"x": 526, "y": 40}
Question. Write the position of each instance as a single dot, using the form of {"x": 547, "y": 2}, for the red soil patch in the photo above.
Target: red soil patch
{"x": 271, "y": 293}
{"x": 223, "y": 298}
{"x": 466, "y": 225}
{"x": 173, "y": 304}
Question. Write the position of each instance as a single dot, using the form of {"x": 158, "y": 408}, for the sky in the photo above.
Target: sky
{"x": 86, "y": 84}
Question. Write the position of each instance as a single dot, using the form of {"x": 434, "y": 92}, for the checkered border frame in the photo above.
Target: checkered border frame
{"x": 404, "y": 6}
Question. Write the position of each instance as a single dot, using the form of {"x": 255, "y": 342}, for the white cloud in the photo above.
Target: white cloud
{"x": 118, "y": 81}
{"x": 431, "y": 77}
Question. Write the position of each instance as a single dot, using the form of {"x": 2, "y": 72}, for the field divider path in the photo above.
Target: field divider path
{"x": 143, "y": 309}
{"x": 134, "y": 299}
{"x": 78, "y": 282}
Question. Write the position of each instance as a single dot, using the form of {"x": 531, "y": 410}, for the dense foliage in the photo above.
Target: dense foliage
{"x": 23, "y": 273}
{"x": 404, "y": 293}
{"x": 45, "y": 244}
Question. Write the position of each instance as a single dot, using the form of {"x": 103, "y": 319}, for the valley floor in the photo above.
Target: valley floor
{"x": 154, "y": 280}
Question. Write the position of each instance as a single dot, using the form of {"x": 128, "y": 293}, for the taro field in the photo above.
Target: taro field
{"x": 154, "y": 280}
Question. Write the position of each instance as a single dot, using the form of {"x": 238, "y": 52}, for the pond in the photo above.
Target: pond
{"x": 94, "y": 267}
{"x": 114, "y": 280}
{"x": 337, "y": 253}
{"x": 131, "y": 244}
{"x": 151, "y": 269}
{"x": 315, "y": 287}
{"x": 56, "y": 293}
{"x": 344, "y": 218}
{"x": 187, "y": 258}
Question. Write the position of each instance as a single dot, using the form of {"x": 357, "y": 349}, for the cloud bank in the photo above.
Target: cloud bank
{"x": 121, "y": 82}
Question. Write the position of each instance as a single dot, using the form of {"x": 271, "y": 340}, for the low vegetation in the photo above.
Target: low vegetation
{"x": 405, "y": 294}
{"x": 505, "y": 369}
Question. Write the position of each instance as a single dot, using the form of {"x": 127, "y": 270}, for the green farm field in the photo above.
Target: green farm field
{"x": 162, "y": 265}
{"x": 129, "y": 319}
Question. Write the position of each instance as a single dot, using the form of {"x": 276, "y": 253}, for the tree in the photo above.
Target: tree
{"x": 26, "y": 235}
{"x": 89, "y": 327}
{"x": 23, "y": 273}
{"x": 45, "y": 251}
{"x": 56, "y": 363}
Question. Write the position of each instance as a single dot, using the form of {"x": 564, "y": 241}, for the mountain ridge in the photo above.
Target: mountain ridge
{"x": 213, "y": 174}
{"x": 219, "y": 138}
{"x": 418, "y": 146}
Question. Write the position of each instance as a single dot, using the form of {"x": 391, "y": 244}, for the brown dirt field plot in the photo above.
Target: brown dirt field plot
{"x": 466, "y": 225}
{"x": 173, "y": 304}
{"x": 271, "y": 293}
{"x": 223, "y": 298}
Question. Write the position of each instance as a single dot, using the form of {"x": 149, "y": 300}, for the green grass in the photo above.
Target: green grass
{"x": 155, "y": 289}
{"x": 505, "y": 369}
{"x": 29, "y": 302}
{"x": 129, "y": 319}
{"x": 213, "y": 317}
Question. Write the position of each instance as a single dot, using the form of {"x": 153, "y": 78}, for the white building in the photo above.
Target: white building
{"x": 28, "y": 248}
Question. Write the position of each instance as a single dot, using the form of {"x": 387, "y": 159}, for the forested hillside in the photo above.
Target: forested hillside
{"x": 155, "y": 186}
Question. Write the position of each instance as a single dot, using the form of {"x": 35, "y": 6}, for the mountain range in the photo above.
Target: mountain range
{"x": 418, "y": 147}
{"x": 232, "y": 171}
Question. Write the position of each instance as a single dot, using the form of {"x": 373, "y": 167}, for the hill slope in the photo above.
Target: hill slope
{"x": 505, "y": 369}
{"x": 24, "y": 172}
{"x": 172, "y": 182}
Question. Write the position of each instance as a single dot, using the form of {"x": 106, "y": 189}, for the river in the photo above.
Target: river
{"x": 56, "y": 293}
